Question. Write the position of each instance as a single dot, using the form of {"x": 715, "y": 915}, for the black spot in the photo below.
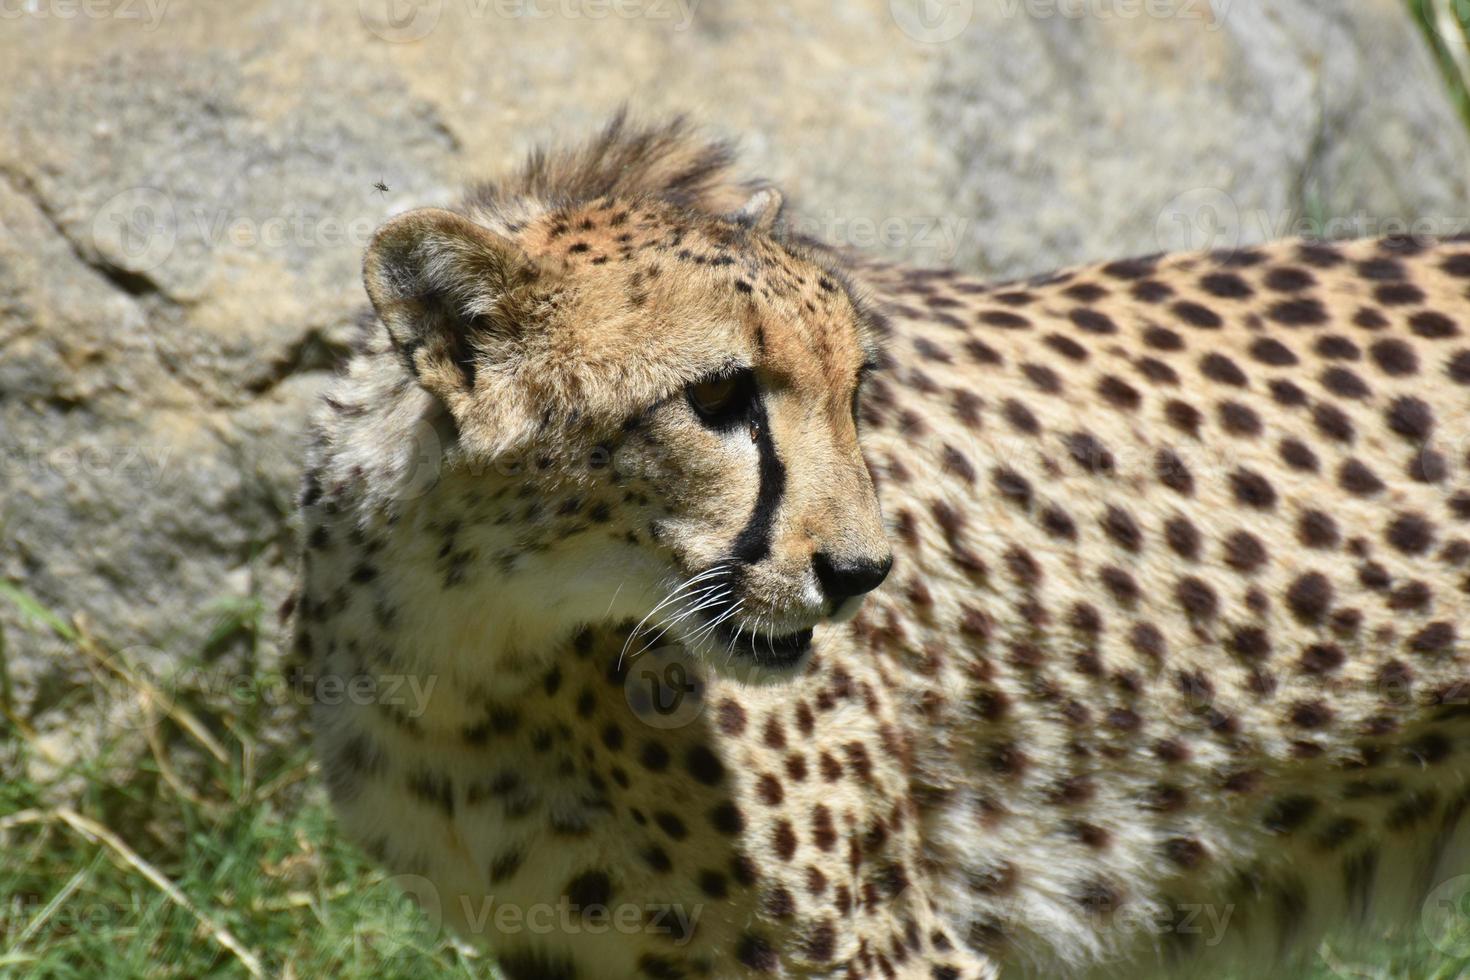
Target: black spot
{"x": 1200, "y": 317}
{"x": 670, "y": 824}
{"x": 1344, "y": 383}
{"x": 1252, "y": 490}
{"x": 1301, "y": 312}
{"x": 1370, "y": 319}
{"x": 1433, "y": 325}
{"x": 1287, "y": 279}
{"x": 1004, "y": 320}
{"x": 1316, "y": 529}
{"x": 1309, "y": 597}
{"x": 588, "y": 889}
{"x": 1183, "y": 416}
{"x": 1411, "y": 418}
{"x": 1357, "y": 479}
{"x": 1458, "y": 368}
{"x": 1121, "y": 527}
{"x": 1093, "y": 322}
{"x": 1067, "y": 347}
{"x": 1287, "y": 393}
{"x": 1196, "y": 598}
{"x": 756, "y": 953}
{"x": 534, "y": 964}
{"x": 1182, "y": 537}
{"x": 1272, "y": 352}
{"x": 1172, "y": 472}
{"x": 1244, "y": 551}
{"x": 1250, "y": 643}
{"x": 1288, "y": 814}
{"x": 1398, "y": 294}
{"x": 1089, "y": 454}
{"x": 705, "y": 766}
{"x": 1226, "y": 285}
{"x": 1333, "y": 422}
{"x": 1338, "y": 348}
{"x": 727, "y": 819}
{"x": 1436, "y": 638}
{"x": 1118, "y": 392}
{"x": 1410, "y": 533}
{"x": 1162, "y": 338}
{"x": 1218, "y": 367}
{"x": 1239, "y": 420}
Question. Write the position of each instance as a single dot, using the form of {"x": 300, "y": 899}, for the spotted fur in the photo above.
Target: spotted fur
{"x": 1168, "y": 673}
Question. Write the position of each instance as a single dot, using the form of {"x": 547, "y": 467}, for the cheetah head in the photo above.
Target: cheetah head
{"x": 663, "y": 401}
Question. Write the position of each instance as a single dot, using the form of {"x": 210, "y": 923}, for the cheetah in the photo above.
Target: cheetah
{"x": 772, "y": 611}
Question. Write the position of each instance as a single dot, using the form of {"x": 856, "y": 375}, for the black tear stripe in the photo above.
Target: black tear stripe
{"x": 754, "y": 541}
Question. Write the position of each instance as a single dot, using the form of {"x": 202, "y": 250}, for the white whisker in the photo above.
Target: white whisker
{"x": 673, "y": 596}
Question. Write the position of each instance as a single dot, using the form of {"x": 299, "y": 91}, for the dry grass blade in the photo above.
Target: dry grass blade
{"x": 93, "y": 830}
{"x": 42, "y": 917}
{"x": 182, "y": 715}
{"x": 1448, "y": 22}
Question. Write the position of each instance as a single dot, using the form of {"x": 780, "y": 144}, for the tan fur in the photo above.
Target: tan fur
{"x": 1168, "y": 672}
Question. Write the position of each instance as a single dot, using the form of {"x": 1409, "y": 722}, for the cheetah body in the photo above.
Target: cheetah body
{"x": 1167, "y": 673}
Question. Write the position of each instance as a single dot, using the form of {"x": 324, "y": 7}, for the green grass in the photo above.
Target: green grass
{"x": 1446, "y": 27}
{"x": 199, "y": 845}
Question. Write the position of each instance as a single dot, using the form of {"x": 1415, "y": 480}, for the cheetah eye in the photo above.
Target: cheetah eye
{"x": 723, "y": 401}
{"x": 867, "y": 368}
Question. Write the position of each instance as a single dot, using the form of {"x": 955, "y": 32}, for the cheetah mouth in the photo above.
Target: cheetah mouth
{"x": 766, "y": 650}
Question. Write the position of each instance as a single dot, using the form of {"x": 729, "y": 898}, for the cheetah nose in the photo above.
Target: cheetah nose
{"x": 842, "y": 579}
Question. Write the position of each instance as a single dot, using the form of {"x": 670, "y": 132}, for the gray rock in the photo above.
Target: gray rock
{"x": 184, "y": 197}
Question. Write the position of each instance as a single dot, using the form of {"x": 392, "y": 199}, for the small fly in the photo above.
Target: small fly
{"x": 380, "y": 187}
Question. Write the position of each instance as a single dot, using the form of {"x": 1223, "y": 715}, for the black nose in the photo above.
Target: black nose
{"x": 843, "y": 578}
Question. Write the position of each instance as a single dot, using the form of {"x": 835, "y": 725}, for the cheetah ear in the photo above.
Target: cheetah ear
{"x": 761, "y": 210}
{"x": 447, "y": 289}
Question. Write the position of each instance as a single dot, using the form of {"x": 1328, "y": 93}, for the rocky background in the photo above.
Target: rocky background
{"x": 185, "y": 189}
